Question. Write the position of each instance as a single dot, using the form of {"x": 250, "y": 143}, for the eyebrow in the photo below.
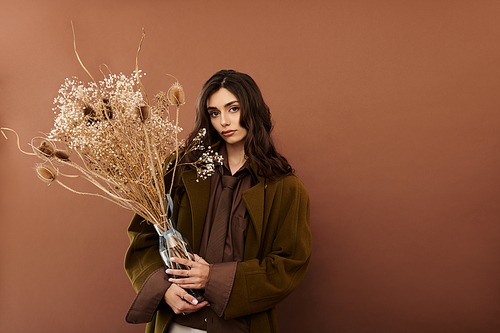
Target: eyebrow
{"x": 226, "y": 106}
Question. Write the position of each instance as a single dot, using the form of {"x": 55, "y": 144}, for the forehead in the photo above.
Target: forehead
{"x": 220, "y": 98}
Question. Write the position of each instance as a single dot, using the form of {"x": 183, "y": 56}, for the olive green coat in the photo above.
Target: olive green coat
{"x": 277, "y": 248}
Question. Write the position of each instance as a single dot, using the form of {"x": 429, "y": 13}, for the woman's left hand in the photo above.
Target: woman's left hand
{"x": 195, "y": 278}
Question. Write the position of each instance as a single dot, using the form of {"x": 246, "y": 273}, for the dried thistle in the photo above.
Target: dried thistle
{"x": 176, "y": 94}
{"x": 144, "y": 112}
{"x": 45, "y": 149}
{"x": 46, "y": 174}
{"x": 61, "y": 155}
{"x": 89, "y": 114}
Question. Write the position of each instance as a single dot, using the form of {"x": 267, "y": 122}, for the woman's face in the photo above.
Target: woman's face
{"x": 224, "y": 112}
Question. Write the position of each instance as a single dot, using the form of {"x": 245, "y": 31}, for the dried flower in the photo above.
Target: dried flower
{"x": 62, "y": 155}
{"x": 120, "y": 142}
{"x": 144, "y": 112}
{"x": 45, "y": 149}
{"x": 120, "y": 152}
{"x": 176, "y": 94}
{"x": 89, "y": 113}
{"x": 46, "y": 174}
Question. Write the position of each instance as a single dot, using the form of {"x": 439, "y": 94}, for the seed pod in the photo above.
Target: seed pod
{"x": 89, "y": 114}
{"x": 176, "y": 94}
{"x": 46, "y": 174}
{"x": 62, "y": 155}
{"x": 144, "y": 112}
{"x": 88, "y": 111}
{"x": 46, "y": 149}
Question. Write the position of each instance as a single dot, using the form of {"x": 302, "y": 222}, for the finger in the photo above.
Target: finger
{"x": 179, "y": 280}
{"x": 201, "y": 305}
{"x": 190, "y": 299}
{"x": 185, "y": 262}
{"x": 189, "y": 308}
{"x": 199, "y": 259}
{"x": 192, "y": 286}
{"x": 179, "y": 272}
{"x": 187, "y": 284}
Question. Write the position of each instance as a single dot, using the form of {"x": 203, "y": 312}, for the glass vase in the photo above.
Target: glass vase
{"x": 172, "y": 244}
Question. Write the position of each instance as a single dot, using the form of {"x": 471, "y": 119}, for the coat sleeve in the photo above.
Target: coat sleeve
{"x": 146, "y": 271}
{"x": 142, "y": 257}
{"x": 284, "y": 253}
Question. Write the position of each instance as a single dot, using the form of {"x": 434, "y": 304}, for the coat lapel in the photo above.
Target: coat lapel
{"x": 198, "y": 193}
{"x": 258, "y": 201}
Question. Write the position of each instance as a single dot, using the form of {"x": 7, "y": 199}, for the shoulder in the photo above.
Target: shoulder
{"x": 289, "y": 181}
{"x": 290, "y": 186}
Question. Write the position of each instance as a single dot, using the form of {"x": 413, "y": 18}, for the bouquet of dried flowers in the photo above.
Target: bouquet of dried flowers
{"x": 116, "y": 139}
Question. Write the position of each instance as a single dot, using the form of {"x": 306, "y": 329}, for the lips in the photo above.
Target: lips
{"x": 228, "y": 133}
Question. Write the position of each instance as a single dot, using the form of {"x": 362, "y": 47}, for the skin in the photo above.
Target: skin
{"x": 224, "y": 110}
{"x": 196, "y": 278}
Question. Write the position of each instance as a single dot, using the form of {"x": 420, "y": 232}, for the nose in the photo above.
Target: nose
{"x": 224, "y": 119}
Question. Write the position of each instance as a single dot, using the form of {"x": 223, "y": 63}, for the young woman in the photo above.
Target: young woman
{"x": 251, "y": 250}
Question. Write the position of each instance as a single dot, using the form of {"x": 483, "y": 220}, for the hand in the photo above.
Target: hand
{"x": 181, "y": 302}
{"x": 196, "y": 277}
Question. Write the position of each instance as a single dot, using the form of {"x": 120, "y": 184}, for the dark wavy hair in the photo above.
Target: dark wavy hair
{"x": 255, "y": 117}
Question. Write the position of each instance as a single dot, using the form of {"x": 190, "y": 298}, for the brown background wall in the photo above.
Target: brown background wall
{"x": 388, "y": 110}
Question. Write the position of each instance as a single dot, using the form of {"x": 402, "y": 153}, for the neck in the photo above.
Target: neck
{"x": 236, "y": 157}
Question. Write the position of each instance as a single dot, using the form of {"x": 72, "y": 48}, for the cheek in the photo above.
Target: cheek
{"x": 213, "y": 122}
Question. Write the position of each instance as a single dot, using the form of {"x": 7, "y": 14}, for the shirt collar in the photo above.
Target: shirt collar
{"x": 224, "y": 168}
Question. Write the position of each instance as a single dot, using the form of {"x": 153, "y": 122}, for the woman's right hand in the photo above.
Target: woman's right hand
{"x": 182, "y": 302}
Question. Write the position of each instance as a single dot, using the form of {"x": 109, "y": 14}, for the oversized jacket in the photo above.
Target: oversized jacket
{"x": 276, "y": 255}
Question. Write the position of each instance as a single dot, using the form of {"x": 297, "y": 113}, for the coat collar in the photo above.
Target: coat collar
{"x": 256, "y": 200}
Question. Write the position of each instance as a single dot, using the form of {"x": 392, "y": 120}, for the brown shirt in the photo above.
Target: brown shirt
{"x": 221, "y": 276}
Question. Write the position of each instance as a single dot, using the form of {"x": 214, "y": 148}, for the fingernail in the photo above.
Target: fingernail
{"x": 195, "y": 301}
{"x": 170, "y": 280}
{"x": 172, "y": 259}
{"x": 168, "y": 271}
